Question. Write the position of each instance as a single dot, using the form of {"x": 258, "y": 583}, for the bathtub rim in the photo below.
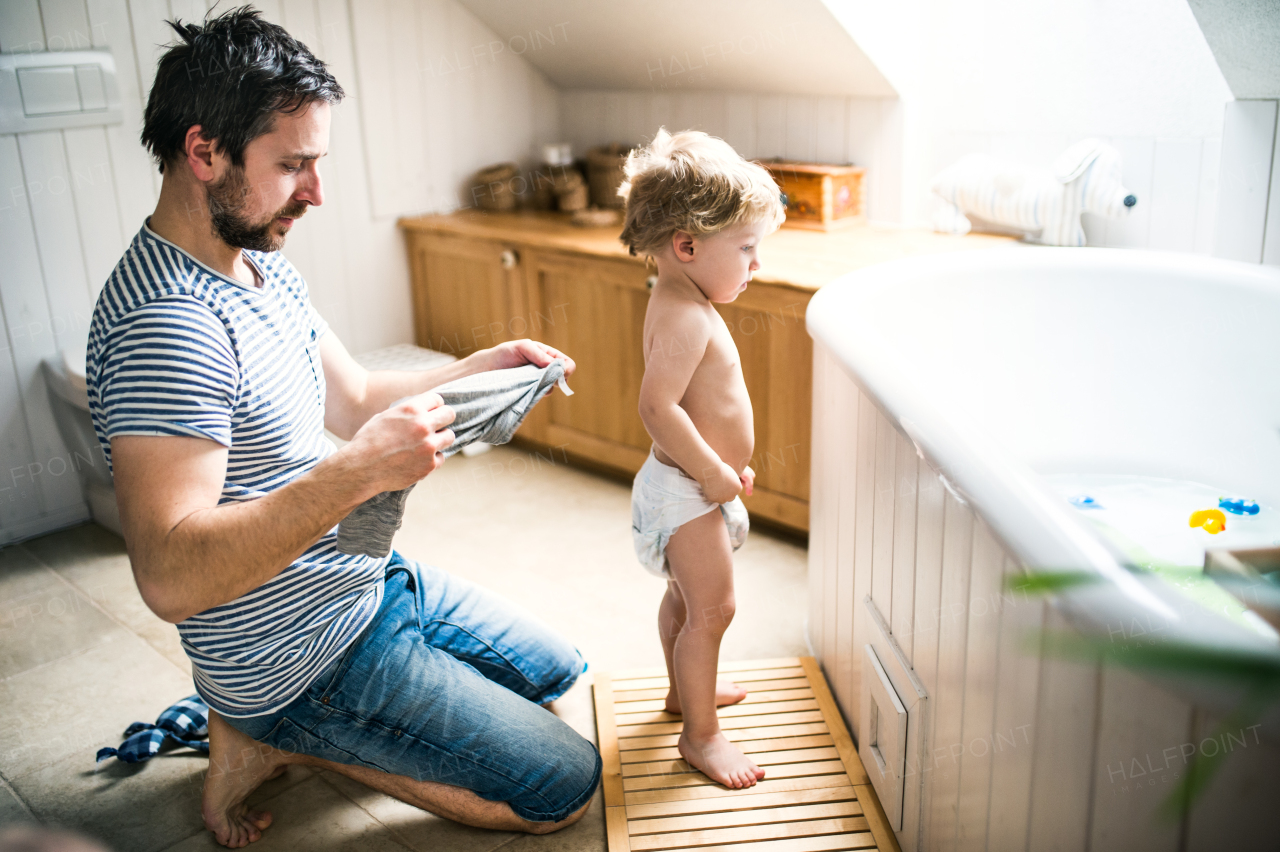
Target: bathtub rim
{"x": 1034, "y": 522}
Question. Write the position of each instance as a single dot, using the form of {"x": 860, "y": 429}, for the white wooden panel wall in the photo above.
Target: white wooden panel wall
{"x": 865, "y": 131}
{"x": 425, "y": 109}
{"x": 433, "y": 75}
{"x": 1271, "y": 235}
{"x": 946, "y": 747}
{"x": 1239, "y": 808}
{"x": 60, "y": 234}
{"x": 1248, "y": 220}
{"x": 1063, "y": 737}
{"x": 1016, "y": 694}
{"x": 986, "y": 576}
{"x": 850, "y": 584}
{"x": 1024, "y": 749}
{"x": 1125, "y": 804}
{"x": 923, "y": 629}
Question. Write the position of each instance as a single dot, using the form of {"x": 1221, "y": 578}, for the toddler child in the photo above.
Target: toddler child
{"x": 699, "y": 211}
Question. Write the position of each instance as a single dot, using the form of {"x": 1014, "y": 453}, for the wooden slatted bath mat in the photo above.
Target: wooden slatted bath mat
{"x": 815, "y": 797}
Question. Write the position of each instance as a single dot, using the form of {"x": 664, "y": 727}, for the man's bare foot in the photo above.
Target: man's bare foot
{"x": 720, "y": 760}
{"x": 727, "y": 692}
{"x": 237, "y": 766}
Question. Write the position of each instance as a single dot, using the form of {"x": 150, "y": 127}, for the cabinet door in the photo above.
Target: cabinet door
{"x": 593, "y": 310}
{"x": 767, "y": 324}
{"x": 467, "y": 293}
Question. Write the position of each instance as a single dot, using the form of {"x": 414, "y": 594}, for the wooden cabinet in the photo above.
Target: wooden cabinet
{"x": 476, "y": 298}
{"x": 483, "y": 278}
{"x": 593, "y": 310}
{"x": 767, "y": 324}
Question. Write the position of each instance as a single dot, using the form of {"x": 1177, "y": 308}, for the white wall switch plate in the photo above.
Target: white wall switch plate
{"x": 57, "y": 90}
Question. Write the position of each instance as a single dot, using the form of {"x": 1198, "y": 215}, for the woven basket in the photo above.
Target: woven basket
{"x": 571, "y": 191}
{"x": 492, "y": 189}
{"x": 604, "y": 173}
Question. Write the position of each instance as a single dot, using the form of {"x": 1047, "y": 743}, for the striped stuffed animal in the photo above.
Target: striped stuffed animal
{"x": 979, "y": 192}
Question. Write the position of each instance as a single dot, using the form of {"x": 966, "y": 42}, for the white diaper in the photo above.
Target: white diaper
{"x": 663, "y": 499}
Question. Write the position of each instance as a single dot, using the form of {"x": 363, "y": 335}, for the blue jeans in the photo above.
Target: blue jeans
{"x": 444, "y": 685}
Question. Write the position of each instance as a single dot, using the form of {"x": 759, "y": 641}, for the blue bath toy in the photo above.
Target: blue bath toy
{"x": 1084, "y": 501}
{"x": 1238, "y": 505}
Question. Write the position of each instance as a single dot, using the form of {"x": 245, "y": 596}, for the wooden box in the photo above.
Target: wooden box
{"x": 1250, "y": 575}
{"x": 821, "y": 197}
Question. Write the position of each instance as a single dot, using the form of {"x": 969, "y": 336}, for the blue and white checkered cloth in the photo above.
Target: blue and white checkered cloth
{"x": 186, "y": 723}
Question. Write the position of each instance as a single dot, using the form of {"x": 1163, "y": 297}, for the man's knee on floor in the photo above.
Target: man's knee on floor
{"x": 549, "y": 827}
{"x": 570, "y": 779}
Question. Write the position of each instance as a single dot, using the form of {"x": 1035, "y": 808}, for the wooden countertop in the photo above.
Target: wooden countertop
{"x": 790, "y": 257}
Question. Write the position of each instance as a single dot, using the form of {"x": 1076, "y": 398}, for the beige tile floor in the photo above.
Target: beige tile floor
{"x": 81, "y": 657}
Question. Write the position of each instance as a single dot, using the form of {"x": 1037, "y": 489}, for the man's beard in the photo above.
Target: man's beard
{"x": 227, "y": 201}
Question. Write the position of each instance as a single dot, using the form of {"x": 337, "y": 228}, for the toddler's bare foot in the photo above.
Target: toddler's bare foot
{"x": 727, "y": 692}
{"x": 720, "y": 760}
{"x": 237, "y": 766}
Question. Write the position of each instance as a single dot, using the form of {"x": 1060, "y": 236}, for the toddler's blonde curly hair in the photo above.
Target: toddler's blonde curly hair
{"x": 695, "y": 183}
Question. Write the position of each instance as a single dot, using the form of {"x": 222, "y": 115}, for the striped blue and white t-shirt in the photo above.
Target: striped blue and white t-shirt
{"x": 176, "y": 348}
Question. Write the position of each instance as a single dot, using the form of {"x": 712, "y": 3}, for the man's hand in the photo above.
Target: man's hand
{"x": 353, "y": 395}
{"x": 517, "y": 353}
{"x": 189, "y": 552}
{"x": 721, "y": 483}
{"x": 402, "y": 445}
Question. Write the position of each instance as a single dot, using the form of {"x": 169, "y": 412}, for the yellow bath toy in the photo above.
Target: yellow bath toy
{"x": 1210, "y": 519}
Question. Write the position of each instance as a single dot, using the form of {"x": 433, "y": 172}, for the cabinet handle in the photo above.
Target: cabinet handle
{"x": 651, "y": 281}
{"x": 509, "y": 258}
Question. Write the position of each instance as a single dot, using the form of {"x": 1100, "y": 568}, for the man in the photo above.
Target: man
{"x": 211, "y": 378}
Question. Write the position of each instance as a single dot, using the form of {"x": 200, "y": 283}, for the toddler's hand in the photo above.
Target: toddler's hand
{"x": 722, "y": 485}
{"x": 748, "y": 480}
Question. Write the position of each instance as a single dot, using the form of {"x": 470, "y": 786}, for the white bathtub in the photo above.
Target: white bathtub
{"x": 954, "y": 395}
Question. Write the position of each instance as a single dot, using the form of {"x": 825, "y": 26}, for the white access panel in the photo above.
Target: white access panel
{"x": 57, "y": 90}
{"x": 892, "y": 739}
{"x": 884, "y": 737}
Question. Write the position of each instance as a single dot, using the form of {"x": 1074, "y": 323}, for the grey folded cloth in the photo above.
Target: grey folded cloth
{"x": 487, "y": 407}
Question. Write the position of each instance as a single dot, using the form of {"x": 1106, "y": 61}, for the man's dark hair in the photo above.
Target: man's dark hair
{"x": 230, "y": 75}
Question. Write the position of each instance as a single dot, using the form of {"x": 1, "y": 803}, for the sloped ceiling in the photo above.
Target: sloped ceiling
{"x": 779, "y": 46}
{"x": 1244, "y": 36}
